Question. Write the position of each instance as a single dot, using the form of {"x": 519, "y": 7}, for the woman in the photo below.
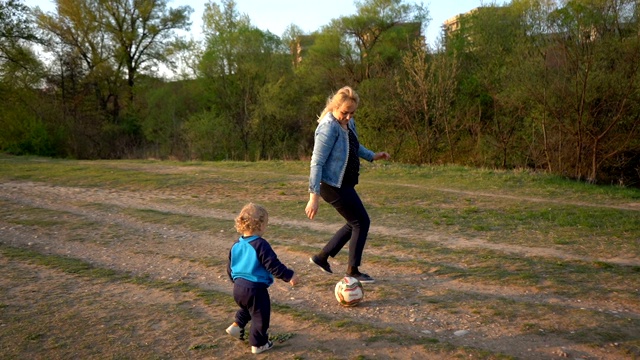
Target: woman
{"x": 335, "y": 167}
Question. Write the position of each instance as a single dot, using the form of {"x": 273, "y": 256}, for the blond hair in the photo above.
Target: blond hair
{"x": 251, "y": 218}
{"x": 343, "y": 95}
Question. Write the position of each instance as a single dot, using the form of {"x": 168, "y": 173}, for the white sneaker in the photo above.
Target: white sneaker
{"x": 236, "y": 331}
{"x": 263, "y": 348}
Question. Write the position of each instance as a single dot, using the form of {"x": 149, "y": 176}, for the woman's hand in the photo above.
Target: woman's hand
{"x": 312, "y": 206}
{"x": 381, "y": 155}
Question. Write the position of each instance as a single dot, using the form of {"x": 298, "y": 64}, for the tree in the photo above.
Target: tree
{"x": 239, "y": 60}
{"x": 488, "y": 42}
{"x": 167, "y": 105}
{"x": 555, "y": 84}
{"x": 97, "y": 44}
{"x": 15, "y": 28}
{"x": 598, "y": 81}
{"x": 327, "y": 64}
{"x": 374, "y": 20}
{"x": 426, "y": 93}
{"x": 279, "y": 122}
{"x": 378, "y": 123}
{"x": 115, "y": 35}
{"x": 76, "y": 37}
{"x": 17, "y": 61}
{"x": 23, "y": 132}
{"x": 84, "y": 76}
{"x": 141, "y": 31}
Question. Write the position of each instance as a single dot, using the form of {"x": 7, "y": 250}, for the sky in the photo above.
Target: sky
{"x": 309, "y": 15}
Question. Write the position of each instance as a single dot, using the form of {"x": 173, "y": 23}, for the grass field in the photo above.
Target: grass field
{"x": 126, "y": 259}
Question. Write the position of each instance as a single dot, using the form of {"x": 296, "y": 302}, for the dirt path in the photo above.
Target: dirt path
{"x": 44, "y": 196}
{"x": 403, "y": 299}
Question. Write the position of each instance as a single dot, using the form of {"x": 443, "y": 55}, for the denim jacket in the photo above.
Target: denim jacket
{"x": 330, "y": 153}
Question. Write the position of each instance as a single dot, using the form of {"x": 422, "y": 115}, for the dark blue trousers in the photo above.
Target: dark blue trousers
{"x": 255, "y": 306}
{"x": 347, "y": 202}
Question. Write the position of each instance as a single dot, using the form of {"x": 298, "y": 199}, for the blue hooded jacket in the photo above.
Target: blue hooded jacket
{"x": 251, "y": 258}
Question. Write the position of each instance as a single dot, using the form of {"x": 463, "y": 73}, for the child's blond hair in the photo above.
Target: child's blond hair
{"x": 251, "y": 218}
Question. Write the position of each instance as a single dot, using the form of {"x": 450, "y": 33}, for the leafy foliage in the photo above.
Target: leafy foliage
{"x": 550, "y": 85}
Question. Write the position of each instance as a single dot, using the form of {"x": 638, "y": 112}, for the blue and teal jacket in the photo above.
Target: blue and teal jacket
{"x": 252, "y": 259}
{"x": 331, "y": 152}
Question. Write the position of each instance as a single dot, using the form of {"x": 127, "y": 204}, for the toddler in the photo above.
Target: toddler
{"x": 252, "y": 267}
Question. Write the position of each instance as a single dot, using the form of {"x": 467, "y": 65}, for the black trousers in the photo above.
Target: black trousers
{"x": 347, "y": 202}
{"x": 255, "y": 306}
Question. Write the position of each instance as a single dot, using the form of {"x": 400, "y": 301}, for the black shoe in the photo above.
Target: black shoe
{"x": 324, "y": 264}
{"x": 363, "y": 278}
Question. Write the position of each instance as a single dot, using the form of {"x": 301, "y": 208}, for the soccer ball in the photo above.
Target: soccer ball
{"x": 349, "y": 291}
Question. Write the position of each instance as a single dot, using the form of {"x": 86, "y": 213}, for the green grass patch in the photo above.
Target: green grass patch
{"x": 446, "y": 199}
